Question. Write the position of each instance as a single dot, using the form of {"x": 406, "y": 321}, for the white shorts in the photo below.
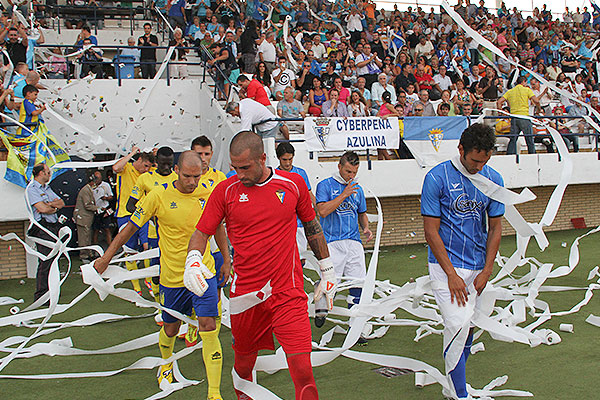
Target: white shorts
{"x": 451, "y": 311}
{"x": 301, "y": 240}
{"x": 348, "y": 257}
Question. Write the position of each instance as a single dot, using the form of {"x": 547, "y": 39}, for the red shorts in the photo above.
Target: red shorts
{"x": 283, "y": 314}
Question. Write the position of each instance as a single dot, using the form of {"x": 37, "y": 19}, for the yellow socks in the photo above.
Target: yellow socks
{"x": 218, "y": 319}
{"x": 165, "y": 345}
{"x": 213, "y": 361}
{"x": 131, "y": 266}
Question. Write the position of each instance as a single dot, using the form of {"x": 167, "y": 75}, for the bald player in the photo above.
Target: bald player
{"x": 260, "y": 206}
{"x": 175, "y": 205}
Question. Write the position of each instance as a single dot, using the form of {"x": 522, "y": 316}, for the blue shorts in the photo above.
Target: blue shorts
{"x": 136, "y": 240}
{"x": 153, "y": 244}
{"x": 218, "y": 263}
{"x": 182, "y": 300}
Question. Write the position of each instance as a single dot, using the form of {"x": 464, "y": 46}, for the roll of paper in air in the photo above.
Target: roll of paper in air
{"x": 14, "y": 310}
{"x": 566, "y": 328}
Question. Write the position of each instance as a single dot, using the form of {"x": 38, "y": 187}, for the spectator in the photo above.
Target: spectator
{"x": 329, "y": 75}
{"x": 446, "y": 100}
{"x": 148, "y": 56}
{"x": 543, "y": 95}
{"x": 490, "y": 87}
{"x": 83, "y": 214}
{"x": 90, "y": 60}
{"x": 85, "y": 33}
{"x": 467, "y": 110}
{"x": 44, "y": 205}
{"x": 518, "y": 100}
{"x": 317, "y": 96}
{"x": 225, "y": 59}
{"x": 253, "y": 89}
{"x": 256, "y": 117}
{"x": 428, "y": 110}
{"x": 424, "y": 48}
{"x": 267, "y": 52}
{"x": 426, "y": 82}
{"x": 103, "y": 195}
{"x": 132, "y": 51}
{"x": 403, "y": 107}
{"x": 283, "y": 77}
{"x": 377, "y": 91}
{"x": 35, "y": 37}
{"x": 318, "y": 48}
{"x": 462, "y": 96}
{"x": 333, "y": 107}
{"x": 443, "y": 109}
{"x": 289, "y": 107}
{"x": 405, "y": 78}
{"x": 344, "y": 92}
{"x": 177, "y": 16}
{"x": 305, "y": 80}
{"x": 357, "y": 105}
{"x": 249, "y": 40}
{"x": 263, "y": 76}
{"x": 17, "y": 43}
{"x": 442, "y": 80}
{"x": 56, "y": 66}
{"x": 179, "y": 68}
{"x": 576, "y": 110}
{"x": 368, "y": 65}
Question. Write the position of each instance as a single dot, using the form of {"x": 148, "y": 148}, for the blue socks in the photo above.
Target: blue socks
{"x": 458, "y": 375}
{"x": 355, "y": 294}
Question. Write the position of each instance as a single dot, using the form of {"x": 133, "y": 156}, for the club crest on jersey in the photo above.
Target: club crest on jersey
{"x": 280, "y": 195}
{"x": 243, "y": 198}
{"x": 436, "y": 136}
{"x": 211, "y": 182}
{"x": 173, "y": 205}
{"x": 202, "y": 203}
{"x": 322, "y": 129}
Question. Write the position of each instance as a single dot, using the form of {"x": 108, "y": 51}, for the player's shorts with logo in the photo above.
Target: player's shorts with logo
{"x": 182, "y": 300}
{"x": 283, "y": 314}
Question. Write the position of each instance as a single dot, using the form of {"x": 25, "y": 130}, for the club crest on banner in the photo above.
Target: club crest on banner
{"x": 436, "y": 136}
{"x": 322, "y": 130}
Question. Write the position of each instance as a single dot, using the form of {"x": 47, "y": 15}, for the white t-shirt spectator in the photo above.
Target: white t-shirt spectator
{"x": 100, "y": 191}
{"x": 319, "y": 50}
{"x": 377, "y": 91}
{"x": 443, "y": 81}
{"x": 354, "y": 22}
{"x": 268, "y": 51}
{"x": 285, "y": 79}
{"x": 252, "y": 112}
{"x": 423, "y": 49}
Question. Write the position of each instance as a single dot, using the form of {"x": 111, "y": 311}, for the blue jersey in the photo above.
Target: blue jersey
{"x": 343, "y": 222}
{"x": 449, "y": 195}
{"x": 304, "y": 176}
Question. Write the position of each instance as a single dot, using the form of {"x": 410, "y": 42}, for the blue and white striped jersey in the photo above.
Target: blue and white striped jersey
{"x": 462, "y": 209}
{"x": 343, "y": 222}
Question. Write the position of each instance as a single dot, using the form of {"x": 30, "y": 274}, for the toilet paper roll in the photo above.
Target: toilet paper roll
{"x": 14, "y": 310}
{"x": 566, "y": 328}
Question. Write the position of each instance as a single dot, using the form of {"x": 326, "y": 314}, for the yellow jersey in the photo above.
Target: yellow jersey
{"x": 125, "y": 181}
{"x": 177, "y": 214}
{"x": 212, "y": 178}
{"x": 518, "y": 99}
{"x": 143, "y": 185}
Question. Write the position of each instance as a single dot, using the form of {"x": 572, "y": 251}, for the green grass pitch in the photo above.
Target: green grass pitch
{"x": 565, "y": 371}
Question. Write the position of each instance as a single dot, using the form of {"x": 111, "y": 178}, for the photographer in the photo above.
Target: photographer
{"x": 90, "y": 60}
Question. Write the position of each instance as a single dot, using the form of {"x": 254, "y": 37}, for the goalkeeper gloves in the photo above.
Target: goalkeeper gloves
{"x": 196, "y": 273}
{"x": 328, "y": 285}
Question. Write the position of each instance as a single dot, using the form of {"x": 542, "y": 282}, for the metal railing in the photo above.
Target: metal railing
{"x": 94, "y": 13}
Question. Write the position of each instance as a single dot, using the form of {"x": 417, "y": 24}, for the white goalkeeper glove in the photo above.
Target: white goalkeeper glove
{"x": 196, "y": 273}
{"x": 328, "y": 284}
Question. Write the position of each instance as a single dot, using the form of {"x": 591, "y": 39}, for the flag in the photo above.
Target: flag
{"x": 432, "y": 140}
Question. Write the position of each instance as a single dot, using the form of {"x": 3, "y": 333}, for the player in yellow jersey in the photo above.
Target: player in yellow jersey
{"x": 211, "y": 177}
{"x": 145, "y": 183}
{"x": 176, "y": 206}
{"x": 127, "y": 173}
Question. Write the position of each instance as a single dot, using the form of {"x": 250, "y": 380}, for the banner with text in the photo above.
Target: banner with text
{"x": 432, "y": 140}
{"x": 359, "y": 133}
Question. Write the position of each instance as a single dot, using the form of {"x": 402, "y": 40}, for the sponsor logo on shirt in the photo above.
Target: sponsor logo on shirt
{"x": 173, "y": 205}
{"x": 455, "y": 186}
{"x": 464, "y": 205}
{"x": 280, "y": 195}
{"x": 243, "y": 198}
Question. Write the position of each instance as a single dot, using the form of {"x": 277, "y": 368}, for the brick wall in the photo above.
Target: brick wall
{"x": 403, "y": 223}
{"x": 12, "y": 254}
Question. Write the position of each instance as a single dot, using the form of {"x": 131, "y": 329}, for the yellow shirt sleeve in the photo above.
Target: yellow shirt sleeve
{"x": 146, "y": 208}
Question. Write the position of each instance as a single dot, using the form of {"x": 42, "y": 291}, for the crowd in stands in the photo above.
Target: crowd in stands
{"x": 347, "y": 58}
